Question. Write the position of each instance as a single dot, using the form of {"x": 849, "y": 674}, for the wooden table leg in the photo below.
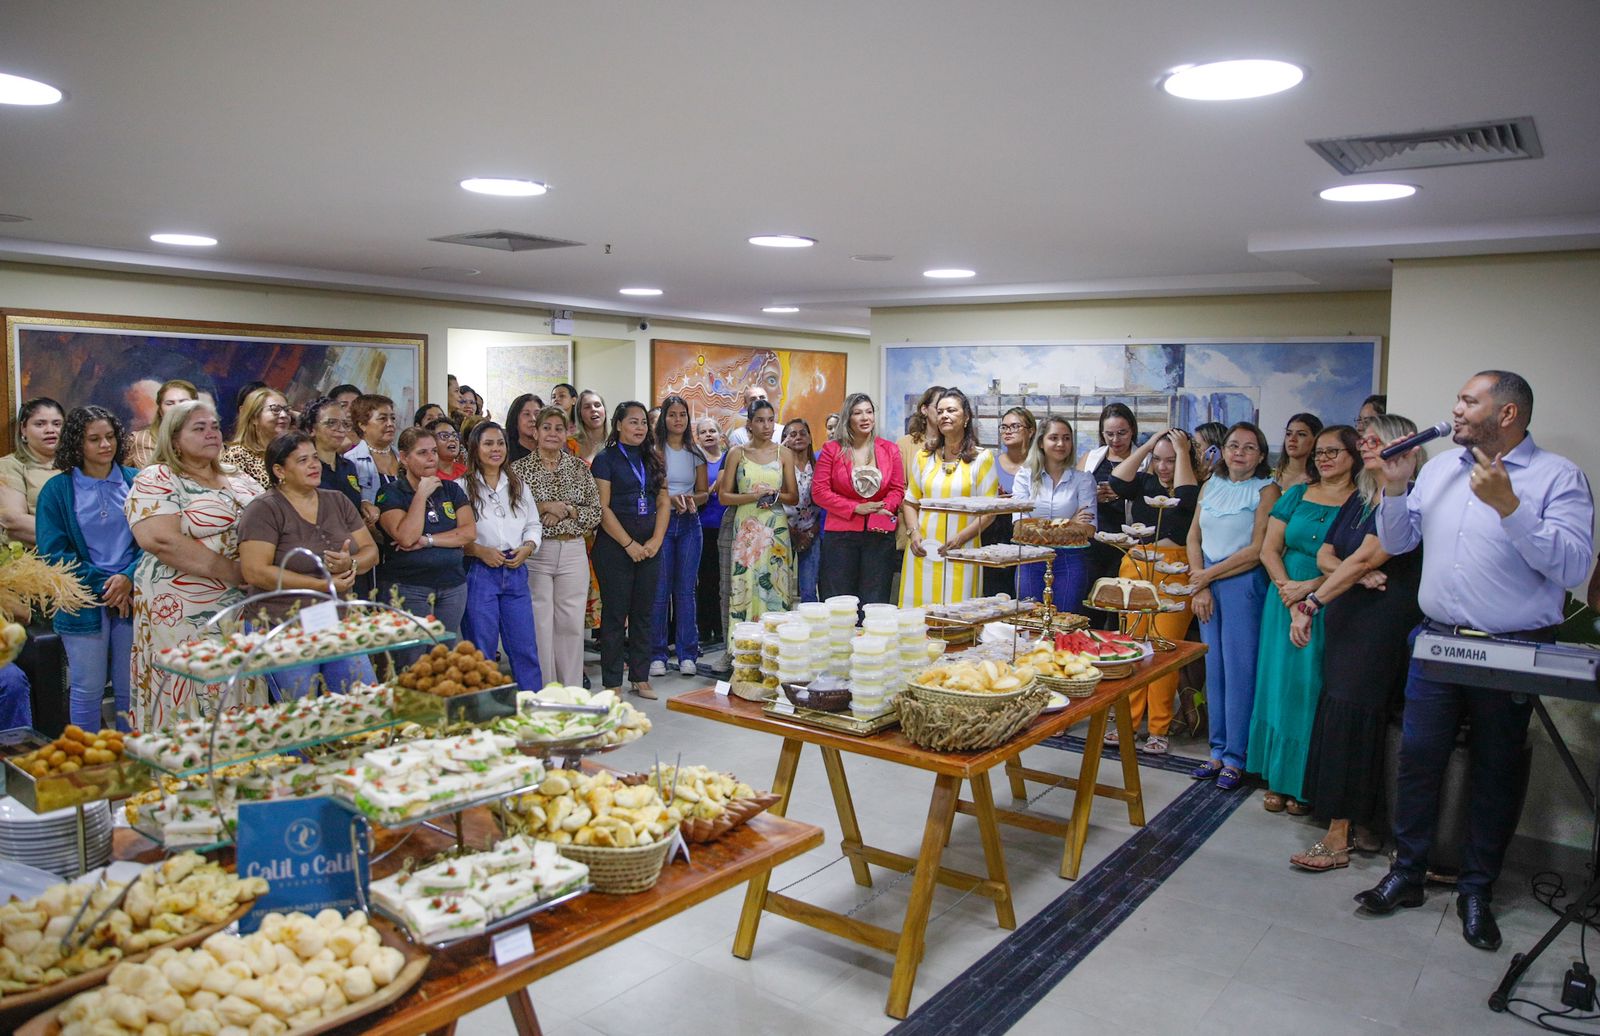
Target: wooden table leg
{"x": 909, "y": 953}
{"x": 755, "y": 895}
{"x": 522, "y": 1016}
{"x": 1083, "y": 799}
{"x": 846, "y": 809}
{"x": 448, "y": 1030}
{"x": 993, "y": 854}
{"x": 1130, "y": 765}
{"x": 1019, "y": 788}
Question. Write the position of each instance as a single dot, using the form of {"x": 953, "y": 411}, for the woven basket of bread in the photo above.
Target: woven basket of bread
{"x": 943, "y": 727}
{"x": 1080, "y": 687}
{"x": 621, "y": 872}
{"x": 698, "y": 831}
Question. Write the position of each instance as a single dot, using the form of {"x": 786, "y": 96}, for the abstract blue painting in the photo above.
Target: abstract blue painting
{"x": 1182, "y": 383}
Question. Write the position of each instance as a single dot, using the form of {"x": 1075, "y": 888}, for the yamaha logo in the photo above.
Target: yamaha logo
{"x": 1437, "y": 651}
{"x": 302, "y": 837}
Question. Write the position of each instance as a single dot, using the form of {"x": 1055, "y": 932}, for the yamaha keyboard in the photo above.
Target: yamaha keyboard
{"x": 1515, "y": 666}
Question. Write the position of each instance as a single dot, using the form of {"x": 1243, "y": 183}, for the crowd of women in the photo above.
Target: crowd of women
{"x": 659, "y": 528}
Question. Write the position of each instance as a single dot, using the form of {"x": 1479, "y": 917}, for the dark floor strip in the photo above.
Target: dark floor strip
{"x": 1113, "y": 753}
{"x": 992, "y": 995}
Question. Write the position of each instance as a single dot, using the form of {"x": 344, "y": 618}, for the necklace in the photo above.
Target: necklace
{"x": 948, "y": 465}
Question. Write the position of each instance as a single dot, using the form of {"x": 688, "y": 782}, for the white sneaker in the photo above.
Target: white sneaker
{"x": 687, "y": 667}
{"x": 658, "y": 667}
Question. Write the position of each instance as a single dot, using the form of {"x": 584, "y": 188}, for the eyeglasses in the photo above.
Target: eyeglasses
{"x": 1242, "y": 447}
{"x": 336, "y": 425}
{"x": 276, "y": 409}
{"x": 1370, "y": 441}
{"x": 1011, "y": 426}
{"x": 447, "y": 436}
{"x": 1328, "y": 453}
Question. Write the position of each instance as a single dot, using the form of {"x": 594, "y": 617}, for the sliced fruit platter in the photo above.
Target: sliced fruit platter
{"x": 1103, "y": 647}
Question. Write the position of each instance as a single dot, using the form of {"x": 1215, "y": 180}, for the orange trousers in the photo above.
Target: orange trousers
{"x": 1159, "y": 699}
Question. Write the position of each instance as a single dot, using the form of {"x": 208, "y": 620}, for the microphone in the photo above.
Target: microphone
{"x": 1410, "y": 442}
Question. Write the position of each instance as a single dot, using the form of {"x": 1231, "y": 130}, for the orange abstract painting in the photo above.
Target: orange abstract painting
{"x": 712, "y": 378}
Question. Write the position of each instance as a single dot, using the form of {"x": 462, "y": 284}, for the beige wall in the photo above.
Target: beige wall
{"x": 1538, "y": 315}
{"x": 620, "y": 360}
{"x": 1220, "y": 316}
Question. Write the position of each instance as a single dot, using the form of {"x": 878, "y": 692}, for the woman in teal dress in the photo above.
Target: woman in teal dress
{"x": 1288, "y": 678}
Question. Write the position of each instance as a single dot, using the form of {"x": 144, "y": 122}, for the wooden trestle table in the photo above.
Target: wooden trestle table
{"x": 949, "y": 770}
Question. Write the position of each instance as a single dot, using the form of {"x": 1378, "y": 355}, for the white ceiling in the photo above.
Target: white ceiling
{"x": 321, "y": 141}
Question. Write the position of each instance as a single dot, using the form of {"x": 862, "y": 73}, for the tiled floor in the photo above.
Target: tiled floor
{"x": 1236, "y": 942}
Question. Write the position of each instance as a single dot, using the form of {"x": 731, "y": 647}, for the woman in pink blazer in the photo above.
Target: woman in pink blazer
{"x": 859, "y": 481}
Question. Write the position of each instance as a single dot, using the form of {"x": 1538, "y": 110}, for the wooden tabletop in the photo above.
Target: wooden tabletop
{"x": 466, "y": 978}
{"x": 892, "y": 744}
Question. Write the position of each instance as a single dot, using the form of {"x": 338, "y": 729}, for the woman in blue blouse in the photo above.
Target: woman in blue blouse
{"x": 80, "y": 519}
{"x": 1058, "y": 490}
{"x": 1224, "y": 548}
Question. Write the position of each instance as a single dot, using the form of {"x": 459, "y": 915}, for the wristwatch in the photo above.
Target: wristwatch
{"x": 1310, "y": 606}
{"x": 428, "y": 537}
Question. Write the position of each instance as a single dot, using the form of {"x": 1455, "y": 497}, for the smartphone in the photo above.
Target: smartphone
{"x": 767, "y": 500}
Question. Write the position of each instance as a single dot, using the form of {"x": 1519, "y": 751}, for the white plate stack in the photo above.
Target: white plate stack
{"x": 49, "y": 841}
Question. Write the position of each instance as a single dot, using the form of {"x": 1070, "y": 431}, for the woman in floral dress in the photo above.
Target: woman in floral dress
{"x": 757, "y": 479}
{"x": 183, "y": 509}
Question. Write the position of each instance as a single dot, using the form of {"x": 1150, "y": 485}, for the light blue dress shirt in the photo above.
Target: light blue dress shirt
{"x": 1488, "y": 573}
{"x": 97, "y": 504}
{"x": 1052, "y": 499}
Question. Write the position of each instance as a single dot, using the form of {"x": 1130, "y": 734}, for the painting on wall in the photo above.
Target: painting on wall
{"x": 712, "y": 379}
{"x": 119, "y": 362}
{"x": 512, "y": 369}
{"x": 1183, "y": 383}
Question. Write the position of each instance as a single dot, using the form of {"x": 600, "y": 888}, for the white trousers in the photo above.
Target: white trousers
{"x": 558, "y": 576}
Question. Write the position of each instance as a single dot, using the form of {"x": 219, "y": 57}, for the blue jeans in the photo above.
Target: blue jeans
{"x": 680, "y": 571}
{"x": 1231, "y": 639}
{"x": 91, "y": 659}
{"x": 499, "y": 616}
{"x": 1071, "y": 580}
{"x": 1497, "y": 774}
{"x": 16, "y": 698}
{"x": 339, "y": 674}
{"x": 448, "y": 606}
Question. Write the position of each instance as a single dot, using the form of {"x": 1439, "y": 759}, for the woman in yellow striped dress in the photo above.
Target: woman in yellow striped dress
{"x": 950, "y": 466}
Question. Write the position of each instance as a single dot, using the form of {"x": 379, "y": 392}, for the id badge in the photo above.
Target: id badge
{"x": 643, "y": 506}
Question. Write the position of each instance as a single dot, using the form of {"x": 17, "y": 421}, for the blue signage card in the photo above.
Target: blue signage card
{"x": 303, "y": 847}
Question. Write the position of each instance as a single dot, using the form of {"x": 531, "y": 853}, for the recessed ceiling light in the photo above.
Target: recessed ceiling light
{"x": 1232, "y": 80}
{"x": 1367, "y": 192}
{"x": 780, "y": 309}
{"x": 871, "y": 257}
{"x": 783, "y": 241}
{"x": 17, "y": 90}
{"x": 503, "y": 186}
{"x": 188, "y": 240}
{"x": 640, "y": 291}
{"x": 949, "y": 273}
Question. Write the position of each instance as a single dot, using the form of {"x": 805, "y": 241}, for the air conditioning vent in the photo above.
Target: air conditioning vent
{"x": 1503, "y": 140}
{"x": 508, "y": 241}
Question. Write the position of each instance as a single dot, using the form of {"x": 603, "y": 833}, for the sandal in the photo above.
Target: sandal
{"x": 1320, "y": 858}
{"x": 1229, "y": 779}
{"x": 1295, "y": 807}
{"x": 1155, "y": 744}
{"x": 1112, "y": 738}
{"x": 1272, "y": 802}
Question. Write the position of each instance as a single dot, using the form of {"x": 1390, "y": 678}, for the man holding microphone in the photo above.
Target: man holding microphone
{"x": 1507, "y": 528}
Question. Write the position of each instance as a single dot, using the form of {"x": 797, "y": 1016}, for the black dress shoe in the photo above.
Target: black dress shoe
{"x": 1477, "y": 921}
{"x": 1393, "y": 891}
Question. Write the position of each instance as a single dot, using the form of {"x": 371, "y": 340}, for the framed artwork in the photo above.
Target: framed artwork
{"x": 1166, "y": 382}
{"x": 712, "y": 379}
{"x": 119, "y": 362}
{"x": 515, "y": 368}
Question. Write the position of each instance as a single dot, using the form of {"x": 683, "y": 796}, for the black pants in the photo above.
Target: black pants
{"x": 708, "y": 598}
{"x": 859, "y": 563}
{"x": 627, "y": 598}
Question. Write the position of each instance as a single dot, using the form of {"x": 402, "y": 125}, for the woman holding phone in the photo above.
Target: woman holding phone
{"x": 757, "y": 479}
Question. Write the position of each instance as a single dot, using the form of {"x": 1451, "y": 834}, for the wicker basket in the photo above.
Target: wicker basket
{"x": 1116, "y": 670}
{"x": 959, "y": 728}
{"x": 980, "y": 702}
{"x": 823, "y": 701}
{"x": 1080, "y": 687}
{"x": 621, "y": 872}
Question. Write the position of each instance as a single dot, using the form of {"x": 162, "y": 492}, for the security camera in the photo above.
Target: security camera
{"x": 644, "y": 325}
